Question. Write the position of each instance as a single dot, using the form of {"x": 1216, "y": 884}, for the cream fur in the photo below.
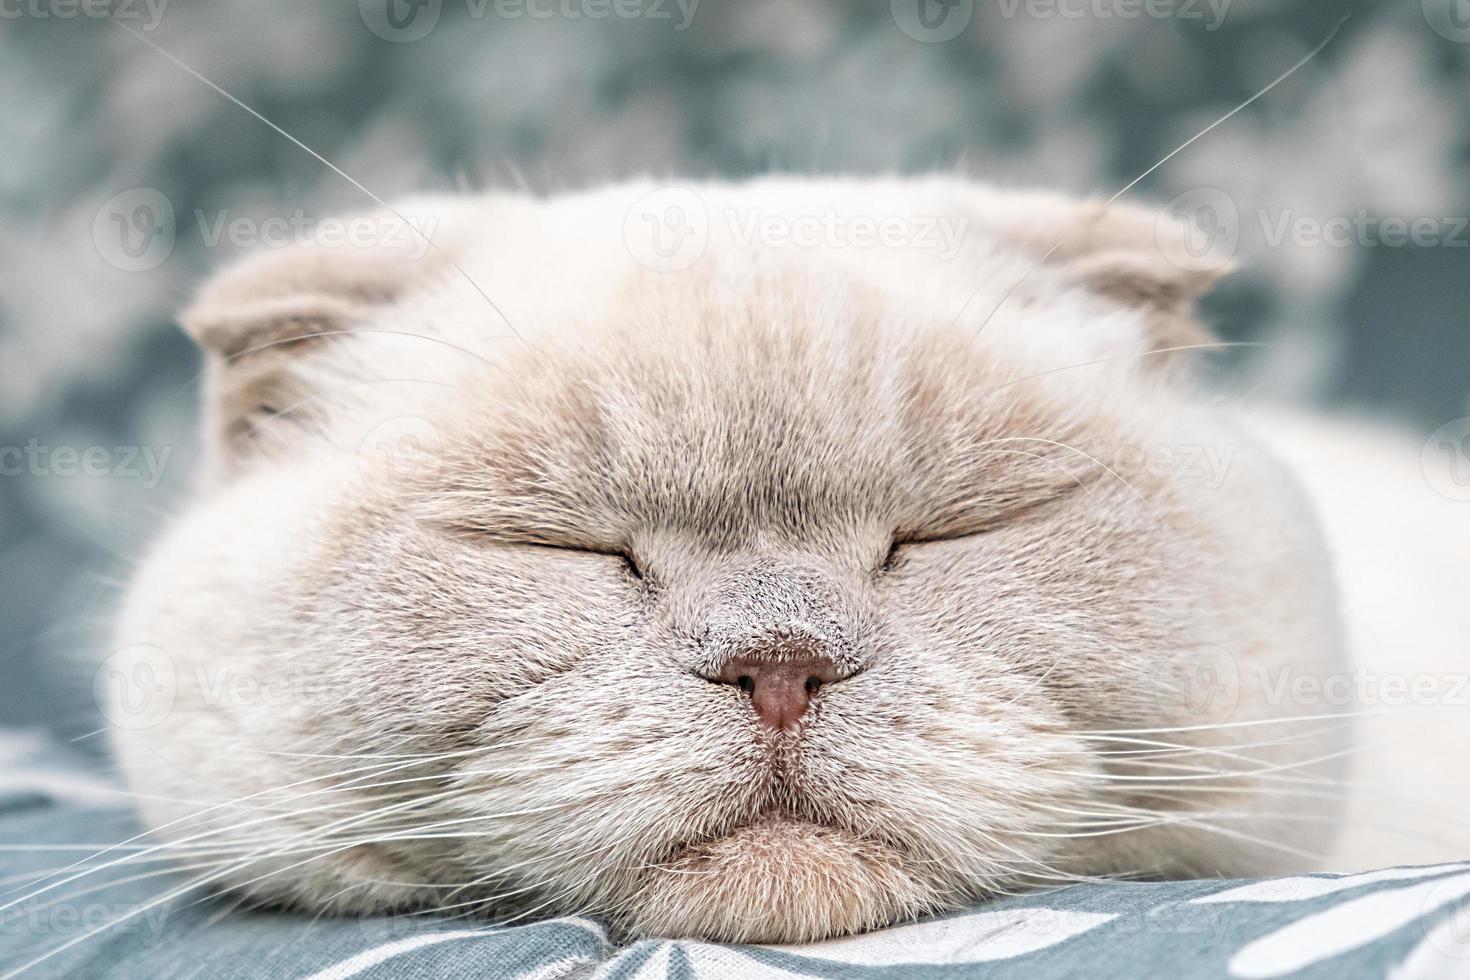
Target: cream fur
{"x": 755, "y": 431}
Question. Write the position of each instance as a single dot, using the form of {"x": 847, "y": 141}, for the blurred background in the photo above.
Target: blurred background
{"x": 124, "y": 180}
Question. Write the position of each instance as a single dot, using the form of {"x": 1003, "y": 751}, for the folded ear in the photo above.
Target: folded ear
{"x": 1130, "y": 255}
{"x": 1147, "y": 280}
{"x": 270, "y": 327}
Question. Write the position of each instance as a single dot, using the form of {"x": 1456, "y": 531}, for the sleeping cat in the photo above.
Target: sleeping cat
{"x": 635, "y": 552}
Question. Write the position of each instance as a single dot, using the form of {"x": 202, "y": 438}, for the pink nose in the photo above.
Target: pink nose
{"x": 780, "y": 688}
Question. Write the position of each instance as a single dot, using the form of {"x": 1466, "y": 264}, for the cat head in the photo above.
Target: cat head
{"x": 784, "y": 594}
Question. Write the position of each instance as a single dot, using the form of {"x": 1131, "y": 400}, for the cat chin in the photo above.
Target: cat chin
{"x": 779, "y": 880}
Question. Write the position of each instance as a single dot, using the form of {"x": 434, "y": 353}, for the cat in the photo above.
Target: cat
{"x": 757, "y": 562}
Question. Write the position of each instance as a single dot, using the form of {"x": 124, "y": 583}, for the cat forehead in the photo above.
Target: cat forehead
{"x": 768, "y": 379}
{"x": 784, "y": 412}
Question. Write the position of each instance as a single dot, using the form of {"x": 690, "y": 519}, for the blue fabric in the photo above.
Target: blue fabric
{"x": 1400, "y": 922}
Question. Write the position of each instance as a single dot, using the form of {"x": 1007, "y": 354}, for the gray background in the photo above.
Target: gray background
{"x": 1075, "y": 94}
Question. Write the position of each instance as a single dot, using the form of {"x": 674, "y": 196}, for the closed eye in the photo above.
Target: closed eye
{"x": 629, "y": 562}
{"x": 895, "y": 556}
{"x": 970, "y": 529}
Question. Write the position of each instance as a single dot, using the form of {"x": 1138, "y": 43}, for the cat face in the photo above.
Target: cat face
{"x": 774, "y": 598}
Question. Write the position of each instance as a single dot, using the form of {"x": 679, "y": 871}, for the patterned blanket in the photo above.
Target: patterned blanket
{"x": 63, "y": 914}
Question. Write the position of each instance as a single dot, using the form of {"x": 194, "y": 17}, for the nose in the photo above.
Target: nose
{"x": 780, "y": 687}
